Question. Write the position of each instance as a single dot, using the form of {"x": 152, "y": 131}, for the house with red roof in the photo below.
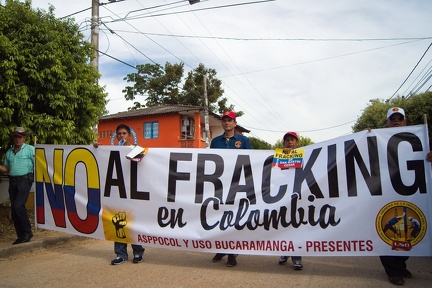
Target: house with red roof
{"x": 177, "y": 126}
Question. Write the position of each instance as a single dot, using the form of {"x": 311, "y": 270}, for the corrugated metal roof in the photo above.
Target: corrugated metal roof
{"x": 162, "y": 109}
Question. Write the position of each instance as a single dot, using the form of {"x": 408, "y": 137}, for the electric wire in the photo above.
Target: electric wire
{"x": 285, "y": 39}
{"x": 420, "y": 85}
{"x": 178, "y": 40}
{"x": 417, "y": 83}
{"x": 302, "y": 39}
{"x": 118, "y": 60}
{"x": 418, "y": 62}
{"x": 415, "y": 39}
{"x": 416, "y": 79}
{"x": 86, "y": 9}
{"x": 124, "y": 40}
{"x": 303, "y": 131}
{"x": 194, "y": 10}
{"x": 240, "y": 82}
{"x": 172, "y": 54}
{"x": 326, "y": 58}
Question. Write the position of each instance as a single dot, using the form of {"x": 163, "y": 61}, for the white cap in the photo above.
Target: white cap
{"x": 395, "y": 110}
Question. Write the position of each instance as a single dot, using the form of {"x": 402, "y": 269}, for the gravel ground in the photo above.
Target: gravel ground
{"x": 7, "y": 229}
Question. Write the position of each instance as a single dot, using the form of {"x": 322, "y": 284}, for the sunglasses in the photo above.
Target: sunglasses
{"x": 396, "y": 118}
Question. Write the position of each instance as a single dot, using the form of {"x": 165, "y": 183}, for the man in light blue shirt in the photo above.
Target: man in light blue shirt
{"x": 19, "y": 164}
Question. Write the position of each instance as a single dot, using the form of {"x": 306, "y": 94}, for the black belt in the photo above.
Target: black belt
{"x": 23, "y": 177}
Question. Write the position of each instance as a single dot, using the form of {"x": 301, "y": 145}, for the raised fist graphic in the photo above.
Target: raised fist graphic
{"x": 119, "y": 221}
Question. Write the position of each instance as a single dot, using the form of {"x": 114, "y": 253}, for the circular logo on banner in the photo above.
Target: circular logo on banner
{"x": 114, "y": 136}
{"x": 401, "y": 225}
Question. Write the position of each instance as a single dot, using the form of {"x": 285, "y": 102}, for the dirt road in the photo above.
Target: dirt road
{"x": 86, "y": 264}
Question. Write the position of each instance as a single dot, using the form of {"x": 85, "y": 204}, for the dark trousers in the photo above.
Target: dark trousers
{"x": 394, "y": 265}
{"x": 121, "y": 250}
{"x": 19, "y": 189}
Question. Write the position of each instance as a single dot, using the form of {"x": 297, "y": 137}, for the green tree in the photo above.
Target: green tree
{"x": 159, "y": 83}
{"x": 47, "y": 84}
{"x": 161, "y": 86}
{"x": 375, "y": 114}
{"x": 257, "y": 143}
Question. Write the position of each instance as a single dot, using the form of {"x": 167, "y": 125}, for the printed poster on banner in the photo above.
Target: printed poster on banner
{"x": 293, "y": 159}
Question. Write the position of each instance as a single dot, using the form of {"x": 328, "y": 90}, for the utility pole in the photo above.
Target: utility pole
{"x": 206, "y": 115}
{"x": 95, "y": 34}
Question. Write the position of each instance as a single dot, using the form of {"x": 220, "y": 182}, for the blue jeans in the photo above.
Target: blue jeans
{"x": 19, "y": 190}
{"x": 121, "y": 250}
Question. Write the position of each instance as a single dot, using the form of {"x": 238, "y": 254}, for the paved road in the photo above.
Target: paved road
{"x": 85, "y": 263}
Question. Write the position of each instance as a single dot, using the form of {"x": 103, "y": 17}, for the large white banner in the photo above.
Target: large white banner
{"x": 363, "y": 194}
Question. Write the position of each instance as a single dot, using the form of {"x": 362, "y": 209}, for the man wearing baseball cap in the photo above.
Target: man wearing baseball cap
{"x": 229, "y": 140}
{"x": 19, "y": 164}
{"x": 290, "y": 142}
{"x": 396, "y": 117}
{"x": 395, "y": 266}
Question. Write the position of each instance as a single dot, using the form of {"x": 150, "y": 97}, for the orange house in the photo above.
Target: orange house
{"x": 176, "y": 126}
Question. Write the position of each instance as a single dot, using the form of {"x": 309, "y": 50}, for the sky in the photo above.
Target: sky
{"x": 305, "y": 66}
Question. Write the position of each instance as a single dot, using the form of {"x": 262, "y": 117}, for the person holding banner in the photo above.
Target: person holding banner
{"x": 123, "y": 135}
{"x": 395, "y": 266}
{"x": 229, "y": 140}
{"x": 19, "y": 164}
{"x": 291, "y": 142}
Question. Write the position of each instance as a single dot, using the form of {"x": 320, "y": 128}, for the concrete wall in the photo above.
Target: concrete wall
{"x": 4, "y": 185}
{"x": 4, "y": 193}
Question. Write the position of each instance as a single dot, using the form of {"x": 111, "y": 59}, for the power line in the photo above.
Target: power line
{"x": 187, "y": 11}
{"x": 126, "y": 21}
{"x": 240, "y": 82}
{"x": 181, "y": 43}
{"x": 416, "y": 85}
{"x": 116, "y": 59}
{"x": 67, "y": 16}
{"x": 139, "y": 51}
{"x": 285, "y": 39}
{"x": 325, "y": 58}
{"x": 301, "y": 131}
{"x": 421, "y": 58}
{"x": 423, "y": 80}
{"x": 83, "y": 10}
{"x": 153, "y": 7}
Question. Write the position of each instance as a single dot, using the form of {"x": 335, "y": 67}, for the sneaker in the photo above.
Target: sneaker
{"x": 298, "y": 265}
{"x": 117, "y": 261}
{"x": 407, "y": 274}
{"x": 396, "y": 280}
{"x": 218, "y": 257}
{"x": 137, "y": 259}
{"x": 283, "y": 260}
{"x": 18, "y": 241}
{"x": 231, "y": 261}
{"x": 27, "y": 237}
